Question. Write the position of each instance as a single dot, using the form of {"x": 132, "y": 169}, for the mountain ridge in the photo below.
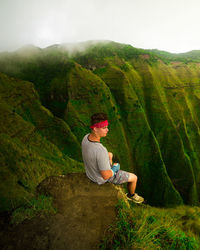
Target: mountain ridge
{"x": 152, "y": 102}
{"x": 82, "y": 46}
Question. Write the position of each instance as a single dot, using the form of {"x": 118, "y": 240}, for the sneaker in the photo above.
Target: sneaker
{"x": 135, "y": 198}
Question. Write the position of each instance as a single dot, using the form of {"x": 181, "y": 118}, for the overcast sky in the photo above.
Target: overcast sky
{"x": 170, "y": 25}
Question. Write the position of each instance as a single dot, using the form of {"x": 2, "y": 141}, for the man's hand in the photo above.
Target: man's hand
{"x": 115, "y": 167}
{"x": 106, "y": 174}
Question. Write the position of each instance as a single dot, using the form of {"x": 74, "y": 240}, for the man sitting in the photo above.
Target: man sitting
{"x": 98, "y": 161}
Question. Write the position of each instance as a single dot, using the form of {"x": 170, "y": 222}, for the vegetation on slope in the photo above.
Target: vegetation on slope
{"x": 151, "y": 99}
{"x": 29, "y": 149}
{"x": 145, "y": 227}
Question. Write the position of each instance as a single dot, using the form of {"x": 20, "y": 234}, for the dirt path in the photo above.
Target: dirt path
{"x": 85, "y": 210}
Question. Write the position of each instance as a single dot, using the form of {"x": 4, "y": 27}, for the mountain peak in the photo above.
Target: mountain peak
{"x": 28, "y": 50}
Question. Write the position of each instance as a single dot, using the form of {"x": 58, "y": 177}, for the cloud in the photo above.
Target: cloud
{"x": 168, "y": 25}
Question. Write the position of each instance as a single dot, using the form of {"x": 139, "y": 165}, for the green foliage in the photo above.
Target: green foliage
{"x": 151, "y": 228}
{"x": 39, "y": 206}
{"x": 152, "y": 100}
{"x": 34, "y": 143}
{"x": 40, "y": 69}
{"x": 191, "y": 56}
{"x": 109, "y": 49}
{"x": 100, "y": 71}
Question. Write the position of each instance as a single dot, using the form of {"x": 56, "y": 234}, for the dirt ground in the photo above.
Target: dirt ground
{"x": 84, "y": 212}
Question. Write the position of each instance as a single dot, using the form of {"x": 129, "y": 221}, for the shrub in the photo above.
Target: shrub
{"x": 147, "y": 228}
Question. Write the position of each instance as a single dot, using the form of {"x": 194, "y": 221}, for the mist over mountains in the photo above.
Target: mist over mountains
{"x": 152, "y": 99}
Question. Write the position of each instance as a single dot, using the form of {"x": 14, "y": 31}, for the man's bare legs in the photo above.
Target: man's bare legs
{"x": 132, "y": 181}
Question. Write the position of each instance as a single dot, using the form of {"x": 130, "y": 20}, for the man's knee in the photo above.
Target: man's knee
{"x": 132, "y": 178}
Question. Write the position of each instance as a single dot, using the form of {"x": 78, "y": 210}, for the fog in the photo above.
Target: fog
{"x": 170, "y": 25}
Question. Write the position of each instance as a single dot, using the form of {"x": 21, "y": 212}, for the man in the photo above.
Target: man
{"x": 98, "y": 161}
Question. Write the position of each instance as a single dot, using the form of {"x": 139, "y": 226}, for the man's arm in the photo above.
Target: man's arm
{"x": 110, "y": 157}
{"x": 106, "y": 174}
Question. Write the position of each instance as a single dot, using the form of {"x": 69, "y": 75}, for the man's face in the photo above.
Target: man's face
{"x": 102, "y": 132}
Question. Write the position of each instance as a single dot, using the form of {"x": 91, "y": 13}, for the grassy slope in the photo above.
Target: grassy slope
{"x": 152, "y": 107}
{"x": 145, "y": 227}
{"x": 85, "y": 89}
{"x": 29, "y": 151}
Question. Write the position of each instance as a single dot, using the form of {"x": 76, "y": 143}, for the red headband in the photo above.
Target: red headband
{"x": 100, "y": 124}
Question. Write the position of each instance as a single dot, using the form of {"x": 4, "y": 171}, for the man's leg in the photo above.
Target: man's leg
{"x": 132, "y": 181}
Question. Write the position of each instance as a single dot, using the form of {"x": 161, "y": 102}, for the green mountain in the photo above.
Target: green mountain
{"x": 34, "y": 143}
{"x": 152, "y": 99}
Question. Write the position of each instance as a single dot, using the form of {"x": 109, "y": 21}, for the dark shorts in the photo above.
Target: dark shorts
{"x": 119, "y": 178}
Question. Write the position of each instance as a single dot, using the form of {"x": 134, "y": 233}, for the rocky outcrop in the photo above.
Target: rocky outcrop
{"x": 84, "y": 212}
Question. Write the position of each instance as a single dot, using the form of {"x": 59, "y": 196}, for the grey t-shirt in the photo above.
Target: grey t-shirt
{"x": 95, "y": 158}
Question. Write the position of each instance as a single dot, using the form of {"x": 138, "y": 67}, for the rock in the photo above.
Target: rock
{"x": 85, "y": 210}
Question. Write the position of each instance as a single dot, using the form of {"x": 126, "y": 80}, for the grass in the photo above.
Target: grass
{"x": 145, "y": 227}
{"x": 42, "y": 205}
{"x": 153, "y": 116}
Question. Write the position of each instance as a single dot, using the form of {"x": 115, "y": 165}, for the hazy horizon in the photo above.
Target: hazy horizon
{"x": 158, "y": 24}
{"x": 79, "y": 46}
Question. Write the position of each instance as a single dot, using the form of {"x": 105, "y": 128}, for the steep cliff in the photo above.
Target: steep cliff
{"x": 152, "y": 100}
{"x": 33, "y": 143}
